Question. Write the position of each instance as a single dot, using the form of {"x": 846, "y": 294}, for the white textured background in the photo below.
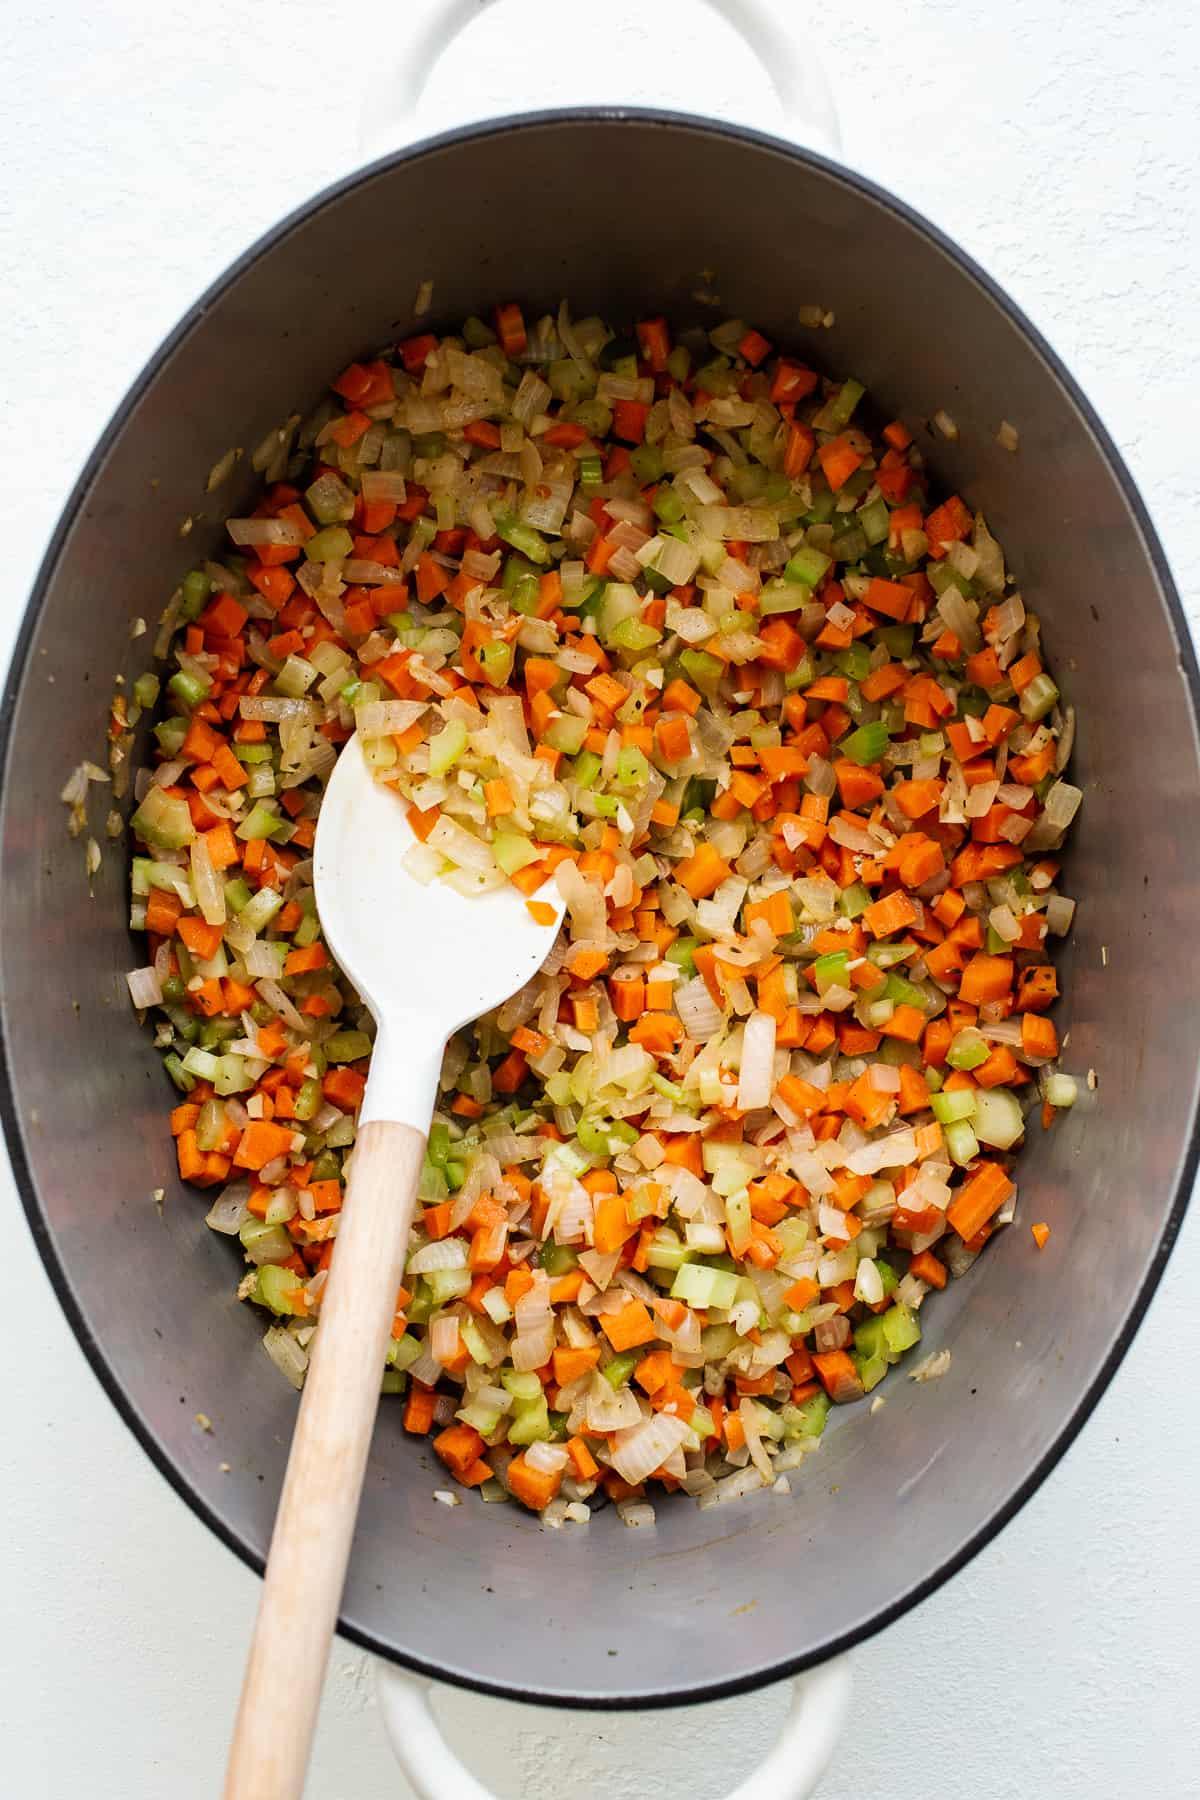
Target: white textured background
{"x": 141, "y": 147}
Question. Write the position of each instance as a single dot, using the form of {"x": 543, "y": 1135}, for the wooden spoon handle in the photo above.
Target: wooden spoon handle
{"x": 310, "y": 1547}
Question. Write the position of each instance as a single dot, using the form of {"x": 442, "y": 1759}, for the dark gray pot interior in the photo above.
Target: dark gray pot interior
{"x": 622, "y": 214}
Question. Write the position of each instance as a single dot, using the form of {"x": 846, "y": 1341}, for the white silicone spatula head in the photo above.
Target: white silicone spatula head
{"x": 425, "y": 960}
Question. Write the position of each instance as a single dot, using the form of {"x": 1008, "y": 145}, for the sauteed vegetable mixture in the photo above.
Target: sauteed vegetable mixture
{"x": 662, "y": 620}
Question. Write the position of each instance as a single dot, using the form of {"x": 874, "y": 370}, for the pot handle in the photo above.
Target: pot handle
{"x": 790, "y": 1770}
{"x": 431, "y": 27}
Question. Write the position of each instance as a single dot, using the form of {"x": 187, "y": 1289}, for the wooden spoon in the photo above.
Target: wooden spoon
{"x": 425, "y": 959}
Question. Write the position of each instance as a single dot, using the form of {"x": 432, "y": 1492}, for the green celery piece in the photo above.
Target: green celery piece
{"x": 163, "y": 821}
{"x": 832, "y": 970}
{"x": 855, "y": 663}
{"x": 682, "y": 954}
{"x": 557, "y": 1259}
{"x": 170, "y": 734}
{"x": 806, "y": 565}
{"x": 621, "y": 1367}
{"x": 807, "y": 1419}
{"x": 961, "y": 1143}
{"x": 194, "y": 597}
{"x": 446, "y": 746}
{"x": 1038, "y": 698}
{"x": 347, "y": 1046}
{"x": 585, "y": 768}
{"x": 703, "y": 671}
{"x": 512, "y": 851}
{"x": 522, "y": 537}
{"x": 867, "y": 744}
{"x": 329, "y": 545}
{"x": 871, "y": 1369}
{"x": 949, "y": 1108}
{"x": 329, "y": 500}
{"x": 901, "y": 1330}
{"x": 273, "y": 1287}
{"x": 260, "y": 822}
{"x": 191, "y": 689}
{"x": 873, "y": 519}
{"x": 967, "y": 1049}
{"x": 530, "y": 1424}
{"x": 897, "y": 639}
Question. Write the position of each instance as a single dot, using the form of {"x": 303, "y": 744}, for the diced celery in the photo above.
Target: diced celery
{"x": 1038, "y": 698}
{"x": 961, "y": 1143}
{"x": 522, "y": 1384}
{"x": 838, "y": 410}
{"x": 275, "y": 1287}
{"x": 201, "y": 1063}
{"x": 832, "y": 970}
{"x": 1060, "y": 1091}
{"x": 618, "y": 1370}
{"x": 854, "y": 662}
{"x": 447, "y": 1284}
{"x": 854, "y": 900}
{"x": 566, "y": 733}
{"x": 701, "y": 1285}
{"x": 522, "y": 537}
{"x": 194, "y": 596}
{"x": 870, "y": 1369}
{"x": 968, "y": 1049}
{"x": 901, "y": 1329}
{"x": 557, "y": 1259}
{"x": 259, "y": 911}
{"x": 191, "y": 689}
{"x": 329, "y": 500}
{"x": 403, "y": 1352}
{"x": 347, "y": 1046}
{"x": 873, "y": 520}
{"x": 783, "y": 597}
{"x": 530, "y": 1423}
{"x": 163, "y": 820}
{"x": 330, "y": 545}
{"x": 948, "y": 1109}
{"x": 585, "y": 769}
{"x": 702, "y": 670}
{"x": 808, "y": 1419}
{"x": 512, "y": 851}
{"x": 867, "y": 744}
{"x": 998, "y": 1119}
{"x": 807, "y": 565}
{"x": 446, "y": 746}
{"x": 265, "y": 1243}
{"x": 260, "y": 822}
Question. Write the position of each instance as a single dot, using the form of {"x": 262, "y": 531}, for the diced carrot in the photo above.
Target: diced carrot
{"x": 703, "y": 872}
{"x": 978, "y": 1200}
{"x": 261, "y": 1142}
{"x": 986, "y": 978}
{"x": 626, "y": 1329}
{"x": 534, "y": 1488}
{"x": 418, "y": 1409}
{"x": 838, "y": 460}
{"x": 1038, "y": 1037}
{"x": 891, "y": 913}
{"x": 838, "y": 1376}
{"x": 929, "y": 1269}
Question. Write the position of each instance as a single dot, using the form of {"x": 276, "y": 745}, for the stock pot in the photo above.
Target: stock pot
{"x": 628, "y": 214}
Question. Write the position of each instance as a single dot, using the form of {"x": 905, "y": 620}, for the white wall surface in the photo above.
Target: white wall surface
{"x": 141, "y": 147}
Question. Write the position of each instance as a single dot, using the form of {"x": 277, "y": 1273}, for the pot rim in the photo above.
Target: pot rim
{"x": 839, "y": 1642}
